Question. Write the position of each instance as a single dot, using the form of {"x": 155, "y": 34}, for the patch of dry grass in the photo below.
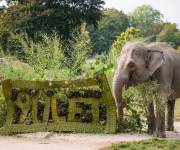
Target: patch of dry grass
{"x": 177, "y": 110}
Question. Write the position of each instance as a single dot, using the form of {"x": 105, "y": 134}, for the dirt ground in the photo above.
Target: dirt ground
{"x": 62, "y": 141}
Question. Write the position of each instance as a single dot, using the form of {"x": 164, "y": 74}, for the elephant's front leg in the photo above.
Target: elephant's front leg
{"x": 160, "y": 124}
{"x": 170, "y": 115}
{"x": 151, "y": 119}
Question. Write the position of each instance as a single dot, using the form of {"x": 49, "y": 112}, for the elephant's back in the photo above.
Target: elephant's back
{"x": 163, "y": 46}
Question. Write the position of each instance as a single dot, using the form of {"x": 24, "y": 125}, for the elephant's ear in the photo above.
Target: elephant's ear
{"x": 155, "y": 60}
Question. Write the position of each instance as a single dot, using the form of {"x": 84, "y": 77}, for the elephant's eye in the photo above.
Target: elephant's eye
{"x": 132, "y": 66}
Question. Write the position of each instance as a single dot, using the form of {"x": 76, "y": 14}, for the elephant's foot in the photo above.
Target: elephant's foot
{"x": 169, "y": 128}
{"x": 150, "y": 132}
{"x": 151, "y": 129}
{"x": 121, "y": 122}
{"x": 159, "y": 134}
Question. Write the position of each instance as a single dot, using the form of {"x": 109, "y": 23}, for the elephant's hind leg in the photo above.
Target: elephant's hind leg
{"x": 170, "y": 115}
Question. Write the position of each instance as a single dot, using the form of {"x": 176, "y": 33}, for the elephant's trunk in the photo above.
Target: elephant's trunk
{"x": 119, "y": 80}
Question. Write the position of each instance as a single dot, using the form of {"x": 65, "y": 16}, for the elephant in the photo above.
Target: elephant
{"x": 139, "y": 63}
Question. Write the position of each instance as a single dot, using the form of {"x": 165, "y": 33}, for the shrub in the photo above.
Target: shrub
{"x": 53, "y": 58}
{"x": 3, "y": 108}
{"x": 131, "y": 34}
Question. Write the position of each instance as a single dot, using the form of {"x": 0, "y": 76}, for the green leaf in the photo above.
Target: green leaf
{"x": 37, "y": 77}
{"x": 97, "y": 62}
{"x": 110, "y": 66}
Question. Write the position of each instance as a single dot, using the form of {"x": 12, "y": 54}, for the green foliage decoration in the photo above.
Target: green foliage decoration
{"x": 23, "y": 100}
{"x": 136, "y": 101}
{"x": 152, "y": 92}
{"x": 3, "y": 108}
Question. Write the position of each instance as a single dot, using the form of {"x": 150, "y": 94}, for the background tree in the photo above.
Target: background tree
{"x": 171, "y": 35}
{"x": 131, "y": 34}
{"x": 109, "y": 27}
{"x": 145, "y": 18}
{"x": 45, "y": 16}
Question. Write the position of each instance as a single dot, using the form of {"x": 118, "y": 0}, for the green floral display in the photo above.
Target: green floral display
{"x": 81, "y": 105}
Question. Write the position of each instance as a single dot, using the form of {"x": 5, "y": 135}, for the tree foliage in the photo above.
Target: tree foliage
{"x": 171, "y": 35}
{"x": 109, "y": 27}
{"x": 45, "y": 16}
{"x": 145, "y": 18}
{"x": 129, "y": 35}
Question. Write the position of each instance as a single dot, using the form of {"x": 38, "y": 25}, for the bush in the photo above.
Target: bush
{"x": 53, "y": 58}
{"x": 131, "y": 34}
{"x": 3, "y": 108}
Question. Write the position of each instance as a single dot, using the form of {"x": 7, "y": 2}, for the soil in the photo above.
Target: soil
{"x": 62, "y": 104}
{"x": 67, "y": 141}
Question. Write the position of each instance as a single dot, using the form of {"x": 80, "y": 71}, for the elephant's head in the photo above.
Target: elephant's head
{"x": 136, "y": 65}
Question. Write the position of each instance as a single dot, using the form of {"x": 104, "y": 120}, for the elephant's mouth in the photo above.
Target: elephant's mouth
{"x": 131, "y": 82}
{"x": 126, "y": 87}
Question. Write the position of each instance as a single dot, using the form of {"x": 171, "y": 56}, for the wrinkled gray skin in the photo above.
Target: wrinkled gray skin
{"x": 139, "y": 63}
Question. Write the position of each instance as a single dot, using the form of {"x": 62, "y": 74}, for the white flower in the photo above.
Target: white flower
{"x": 112, "y": 70}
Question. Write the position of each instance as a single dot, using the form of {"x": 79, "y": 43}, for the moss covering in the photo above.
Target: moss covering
{"x": 32, "y": 106}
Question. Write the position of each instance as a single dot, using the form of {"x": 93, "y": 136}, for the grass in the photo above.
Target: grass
{"x": 152, "y": 144}
{"x": 177, "y": 110}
